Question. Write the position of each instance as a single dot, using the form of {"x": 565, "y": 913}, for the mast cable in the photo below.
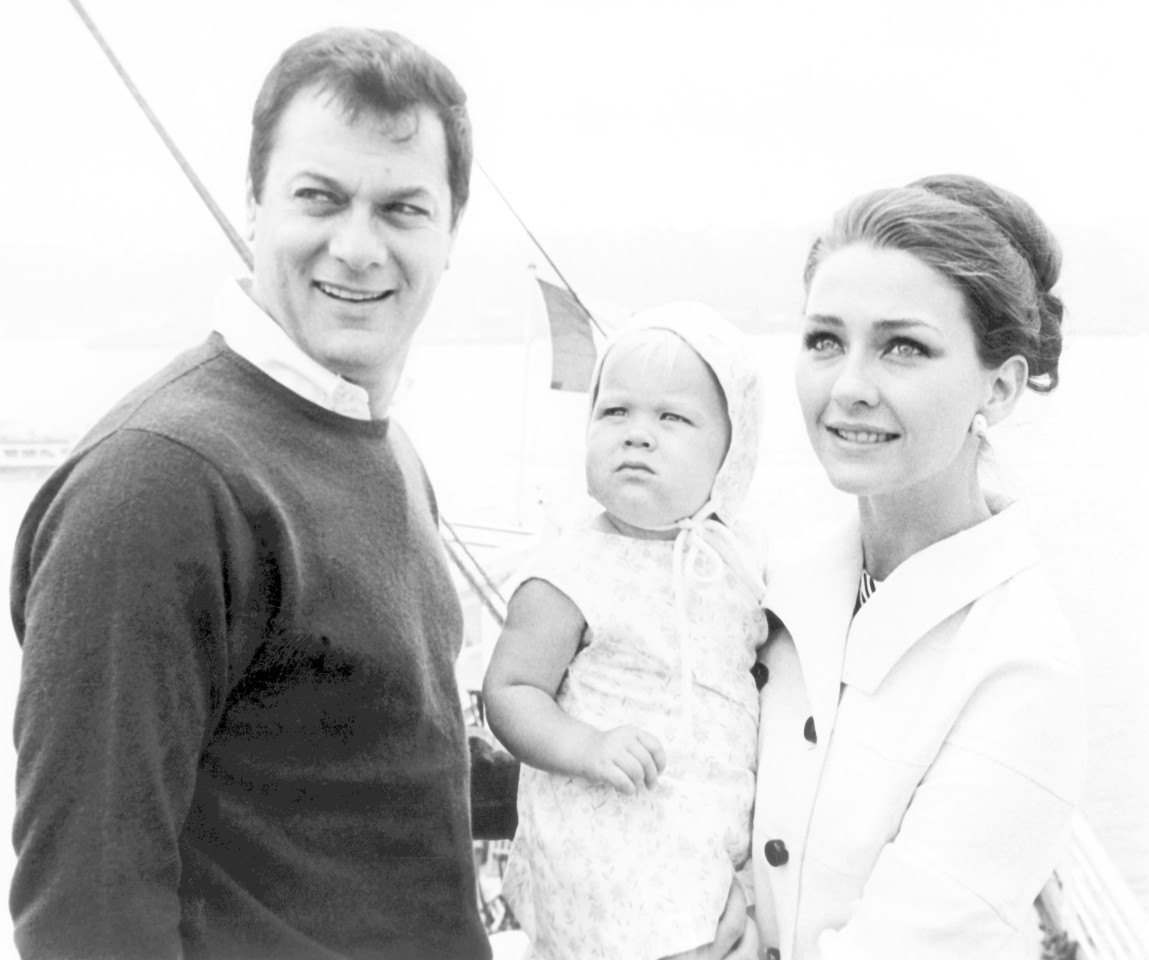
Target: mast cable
{"x": 542, "y": 250}
{"x": 236, "y": 240}
{"x": 462, "y": 545}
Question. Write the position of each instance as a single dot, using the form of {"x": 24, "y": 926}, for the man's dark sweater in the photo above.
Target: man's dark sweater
{"x": 238, "y": 727}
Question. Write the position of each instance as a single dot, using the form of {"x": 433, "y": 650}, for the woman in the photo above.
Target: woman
{"x": 922, "y": 733}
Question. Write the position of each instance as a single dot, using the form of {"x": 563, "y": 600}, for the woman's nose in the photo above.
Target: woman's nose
{"x": 357, "y": 241}
{"x": 854, "y": 382}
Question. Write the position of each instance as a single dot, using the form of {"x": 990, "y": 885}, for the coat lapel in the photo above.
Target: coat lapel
{"x": 930, "y": 586}
{"x": 811, "y": 587}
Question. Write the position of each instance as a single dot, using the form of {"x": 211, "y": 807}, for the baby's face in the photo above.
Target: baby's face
{"x": 658, "y": 433}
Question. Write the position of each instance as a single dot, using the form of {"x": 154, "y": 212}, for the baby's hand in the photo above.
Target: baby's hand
{"x": 625, "y": 758}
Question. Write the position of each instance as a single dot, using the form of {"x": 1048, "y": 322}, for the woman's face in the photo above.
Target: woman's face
{"x": 888, "y": 376}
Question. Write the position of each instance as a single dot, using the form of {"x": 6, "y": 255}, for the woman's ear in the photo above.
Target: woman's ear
{"x": 250, "y": 204}
{"x": 1006, "y": 385}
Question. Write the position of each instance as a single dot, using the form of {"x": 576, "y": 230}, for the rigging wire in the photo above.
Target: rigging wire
{"x": 221, "y": 218}
{"x": 535, "y": 240}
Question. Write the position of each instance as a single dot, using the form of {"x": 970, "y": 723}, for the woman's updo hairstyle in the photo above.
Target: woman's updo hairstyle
{"x": 988, "y": 242}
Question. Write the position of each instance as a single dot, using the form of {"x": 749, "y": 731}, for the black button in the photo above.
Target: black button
{"x": 761, "y": 673}
{"x": 773, "y": 953}
{"x": 809, "y": 732}
{"x": 776, "y": 853}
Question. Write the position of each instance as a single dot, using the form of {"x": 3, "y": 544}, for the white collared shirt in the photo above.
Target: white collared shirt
{"x": 256, "y": 337}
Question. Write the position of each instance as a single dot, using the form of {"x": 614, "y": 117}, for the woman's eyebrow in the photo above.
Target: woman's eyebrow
{"x": 893, "y": 324}
{"x": 906, "y": 324}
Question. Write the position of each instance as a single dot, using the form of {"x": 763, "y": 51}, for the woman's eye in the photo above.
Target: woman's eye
{"x": 906, "y": 348}
{"x": 820, "y": 342}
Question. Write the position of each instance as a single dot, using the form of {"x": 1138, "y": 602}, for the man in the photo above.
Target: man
{"x": 238, "y": 727}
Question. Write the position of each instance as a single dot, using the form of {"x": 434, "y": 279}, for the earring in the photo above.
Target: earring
{"x": 979, "y": 426}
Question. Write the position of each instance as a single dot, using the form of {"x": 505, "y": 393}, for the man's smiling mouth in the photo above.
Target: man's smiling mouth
{"x": 347, "y": 295}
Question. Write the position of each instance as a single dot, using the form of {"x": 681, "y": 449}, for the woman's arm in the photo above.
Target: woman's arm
{"x": 539, "y": 639}
{"x": 983, "y": 829}
{"x": 737, "y": 937}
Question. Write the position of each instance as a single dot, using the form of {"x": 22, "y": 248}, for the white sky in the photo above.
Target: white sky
{"x": 591, "y": 115}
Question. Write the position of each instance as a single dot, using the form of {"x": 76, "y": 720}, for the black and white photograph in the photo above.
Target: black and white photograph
{"x": 635, "y": 480}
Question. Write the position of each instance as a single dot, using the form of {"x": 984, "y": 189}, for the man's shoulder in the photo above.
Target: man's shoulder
{"x": 192, "y": 399}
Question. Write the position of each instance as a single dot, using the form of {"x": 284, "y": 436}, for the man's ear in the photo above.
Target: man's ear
{"x": 1006, "y": 385}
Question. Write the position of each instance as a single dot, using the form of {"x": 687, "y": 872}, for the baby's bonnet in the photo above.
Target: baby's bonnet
{"x": 726, "y": 351}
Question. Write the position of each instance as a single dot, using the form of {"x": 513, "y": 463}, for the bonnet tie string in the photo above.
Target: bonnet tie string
{"x": 703, "y": 549}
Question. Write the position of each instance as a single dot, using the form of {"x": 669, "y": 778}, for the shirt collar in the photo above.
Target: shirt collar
{"x": 250, "y": 332}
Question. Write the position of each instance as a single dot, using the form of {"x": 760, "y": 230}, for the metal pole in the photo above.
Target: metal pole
{"x": 205, "y": 196}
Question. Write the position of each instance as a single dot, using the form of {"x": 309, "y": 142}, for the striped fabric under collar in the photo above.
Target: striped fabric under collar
{"x": 866, "y": 587}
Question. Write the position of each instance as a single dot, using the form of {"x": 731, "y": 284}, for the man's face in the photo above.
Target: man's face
{"x": 352, "y": 233}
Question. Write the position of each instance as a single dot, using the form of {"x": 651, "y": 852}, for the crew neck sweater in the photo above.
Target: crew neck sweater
{"x": 238, "y": 727}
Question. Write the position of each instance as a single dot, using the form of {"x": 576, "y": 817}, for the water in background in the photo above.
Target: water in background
{"x": 503, "y": 449}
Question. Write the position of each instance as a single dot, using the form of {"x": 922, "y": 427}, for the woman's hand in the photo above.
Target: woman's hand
{"x": 737, "y": 937}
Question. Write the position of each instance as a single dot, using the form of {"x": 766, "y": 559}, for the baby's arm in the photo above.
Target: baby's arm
{"x": 538, "y": 642}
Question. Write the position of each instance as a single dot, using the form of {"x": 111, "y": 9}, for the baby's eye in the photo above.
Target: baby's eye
{"x": 674, "y": 417}
{"x": 612, "y": 412}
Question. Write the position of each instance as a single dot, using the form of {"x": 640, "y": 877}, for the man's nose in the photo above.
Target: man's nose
{"x": 855, "y": 382}
{"x": 357, "y": 240}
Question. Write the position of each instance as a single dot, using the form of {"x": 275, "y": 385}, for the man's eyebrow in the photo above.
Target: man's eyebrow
{"x": 410, "y": 192}
{"x": 406, "y": 192}
{"x": 322, "y": 178}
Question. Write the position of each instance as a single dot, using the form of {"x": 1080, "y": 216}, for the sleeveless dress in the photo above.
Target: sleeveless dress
{"x": 594, "y": 873}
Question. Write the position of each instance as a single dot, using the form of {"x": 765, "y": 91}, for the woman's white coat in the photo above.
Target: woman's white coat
{"x": 949, "y": 727}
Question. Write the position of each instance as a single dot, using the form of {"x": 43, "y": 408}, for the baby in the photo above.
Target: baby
{"x": 622, "y": 678}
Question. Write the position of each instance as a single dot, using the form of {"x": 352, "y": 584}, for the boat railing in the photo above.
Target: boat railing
{"x": 1089, "y": 901}
{"x": 32, "y": 453}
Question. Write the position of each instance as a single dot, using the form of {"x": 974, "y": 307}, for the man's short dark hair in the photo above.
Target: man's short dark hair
{"x": 365, "y": 70}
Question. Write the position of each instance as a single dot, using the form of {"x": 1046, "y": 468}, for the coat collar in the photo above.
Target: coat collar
{"x": 812, "y": 586}
{"x": 930, "y": 586}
